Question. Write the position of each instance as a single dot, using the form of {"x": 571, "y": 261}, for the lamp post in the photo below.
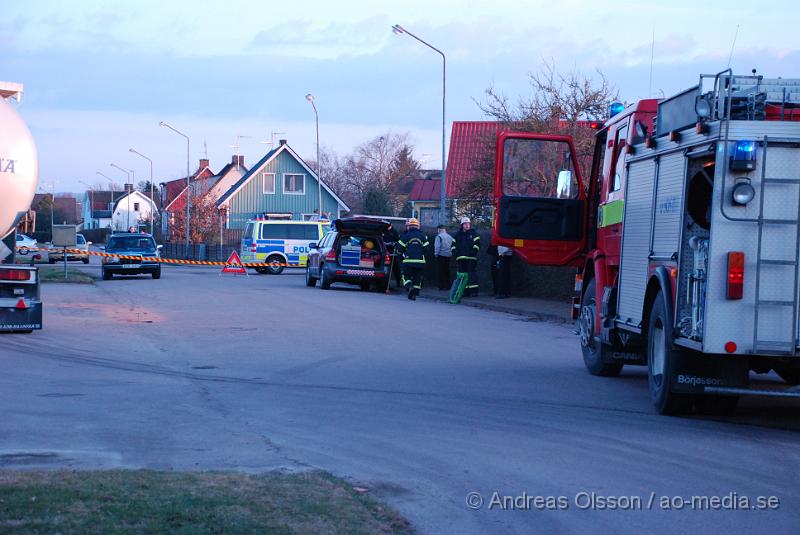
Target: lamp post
{"x": 399, "y": 30}
{"x": 188, "y": 198}
{"x": 310, "y": 98}
{"x": 127, "y": 194}
{"x": 152, "y": 198}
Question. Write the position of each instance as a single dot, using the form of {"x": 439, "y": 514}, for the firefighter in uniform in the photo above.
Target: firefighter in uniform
{"x": 466, "y": 245}
{"x": 412, "y": 246}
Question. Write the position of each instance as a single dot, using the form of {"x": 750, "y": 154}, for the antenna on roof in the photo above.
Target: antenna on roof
{"x": 652, "y": 50}
{"x": 205, "y": 149}
{"x": 236, "y": 147}
{"x": 735, "y": 35}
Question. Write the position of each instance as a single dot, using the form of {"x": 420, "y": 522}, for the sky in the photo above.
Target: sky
{"x": 100, "y": 76}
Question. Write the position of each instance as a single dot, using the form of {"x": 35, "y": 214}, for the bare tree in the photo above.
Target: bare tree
{"x": 559, "y": 103}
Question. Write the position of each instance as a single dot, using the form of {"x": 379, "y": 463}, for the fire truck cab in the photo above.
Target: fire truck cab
{"x": 686, "y": 235}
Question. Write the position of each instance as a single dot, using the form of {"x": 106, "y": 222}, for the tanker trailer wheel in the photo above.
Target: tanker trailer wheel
{"x": 595, "y": 353}
{"x": 661, "y": 359}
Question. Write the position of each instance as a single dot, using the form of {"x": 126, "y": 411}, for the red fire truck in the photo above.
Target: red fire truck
{"x": 686, "y": 236}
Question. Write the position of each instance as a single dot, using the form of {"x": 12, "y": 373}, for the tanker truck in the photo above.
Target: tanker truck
{"x": 20, "y": 302}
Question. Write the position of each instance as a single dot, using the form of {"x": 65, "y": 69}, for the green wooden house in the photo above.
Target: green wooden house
{"x": 280, "y": 185}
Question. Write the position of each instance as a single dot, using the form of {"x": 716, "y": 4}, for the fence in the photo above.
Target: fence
{"x": 198, "y": 251}
{"x": 526, "y": 281}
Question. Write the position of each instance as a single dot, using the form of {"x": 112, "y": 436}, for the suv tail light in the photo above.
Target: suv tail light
{"x": 15, "y": 274}
{"x": 735, "y": 275}
{"x": 331, "y": 255}
{"x": 387, "y": 260}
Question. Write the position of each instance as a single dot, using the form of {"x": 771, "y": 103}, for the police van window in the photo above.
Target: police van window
{"x": 620, "y": 142}
{"x": 248, "y": 231}
{"x": 311, "y": 232}
{"x": 295, "y": 232}
{"x": 277, "y": 232}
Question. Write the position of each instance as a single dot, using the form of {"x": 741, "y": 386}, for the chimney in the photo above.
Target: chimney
{"x": 282, "y": 142}
{"x": 238, "y": 159}
{"x": 203, "y": 164}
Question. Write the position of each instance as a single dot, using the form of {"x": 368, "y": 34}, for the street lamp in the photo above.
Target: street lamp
{"x": 152, "y": 198}
{"x": 399, "y": 30}
{"x": 188, "y": 198}
{"x": 128, "y": 195}
{"x": 310, "y": 98}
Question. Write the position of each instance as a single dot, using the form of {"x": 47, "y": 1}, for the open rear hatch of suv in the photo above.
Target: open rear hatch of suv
{"x": 362, "y": 226}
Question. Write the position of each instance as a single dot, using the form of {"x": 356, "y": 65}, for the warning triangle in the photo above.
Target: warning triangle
{"x": 234, "y": 265}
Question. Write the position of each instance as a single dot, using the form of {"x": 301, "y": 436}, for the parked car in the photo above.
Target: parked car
{"x": 138, "y": 245}
{"x": 353, "y": 253}
{"x": 82, "y": 245}
{"x": 279, "y": 242}
{"x": 26, "y": 245}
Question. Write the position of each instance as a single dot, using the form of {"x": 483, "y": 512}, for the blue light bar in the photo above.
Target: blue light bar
{"x": 744, "y": 156}
{"x": 615, "y": 108}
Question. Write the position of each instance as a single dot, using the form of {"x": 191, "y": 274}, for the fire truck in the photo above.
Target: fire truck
{"x": 20, "y": 302}
{"x": 686, "y": 237}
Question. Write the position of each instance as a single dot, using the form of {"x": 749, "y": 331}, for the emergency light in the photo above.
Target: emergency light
{"x": 744, "y": 156}
{"x": 615, "y": 108}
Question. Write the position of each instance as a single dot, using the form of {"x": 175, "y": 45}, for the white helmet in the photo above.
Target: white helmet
{"x": 464, "y": 220}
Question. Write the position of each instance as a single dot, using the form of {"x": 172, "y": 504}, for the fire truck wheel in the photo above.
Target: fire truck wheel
{"x": 661, "y": 358}
{"x": 594, "y": 351}
{"x": 792, "y": 377}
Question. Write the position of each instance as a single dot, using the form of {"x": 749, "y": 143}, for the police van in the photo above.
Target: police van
{"x": 280, "y": 243}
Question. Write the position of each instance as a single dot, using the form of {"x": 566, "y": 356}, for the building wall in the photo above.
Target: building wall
{"x": 251, "y": 200}
{"x": 121, "y": 219}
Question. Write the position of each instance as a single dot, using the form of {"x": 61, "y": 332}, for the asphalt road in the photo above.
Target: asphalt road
{"x": 421, "y": 402}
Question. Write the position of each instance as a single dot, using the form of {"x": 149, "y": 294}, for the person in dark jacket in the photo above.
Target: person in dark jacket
{"x": 466, "y": 245}
{"x": 412, "y": 246}
{"x": 494, "y": 264}
{"x": 390, "y": 238}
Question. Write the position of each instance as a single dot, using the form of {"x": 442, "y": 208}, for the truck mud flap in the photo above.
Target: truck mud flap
{"x": 694, "y": 372}
{"x": 21, "y": 319}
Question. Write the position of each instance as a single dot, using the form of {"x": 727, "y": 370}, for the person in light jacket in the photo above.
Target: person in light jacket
{"x": 443, "y": 252}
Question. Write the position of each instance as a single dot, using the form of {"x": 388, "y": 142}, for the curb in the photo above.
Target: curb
{"x": 532, "y": 316}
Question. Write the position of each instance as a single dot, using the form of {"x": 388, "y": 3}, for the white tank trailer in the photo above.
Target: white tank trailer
{"x": 20, "y": 303}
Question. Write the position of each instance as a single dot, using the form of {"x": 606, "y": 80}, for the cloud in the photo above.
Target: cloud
{"x": 303, "y": 38}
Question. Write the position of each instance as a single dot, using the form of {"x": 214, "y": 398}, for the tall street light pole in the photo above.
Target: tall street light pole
{"x": 128, "y": 195}
{"x": 399, "y": 30}
{"x": 188, "y": 197}
{"x": 152, "y": 198}
{"x": 310, "y": 98}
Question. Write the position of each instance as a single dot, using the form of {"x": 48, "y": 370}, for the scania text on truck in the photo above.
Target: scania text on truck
{"x": 686, "y": 235}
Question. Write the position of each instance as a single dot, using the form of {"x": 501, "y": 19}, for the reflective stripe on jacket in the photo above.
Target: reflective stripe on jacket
{"x": 466, "y": 245}
{"x": 412, "y": 245}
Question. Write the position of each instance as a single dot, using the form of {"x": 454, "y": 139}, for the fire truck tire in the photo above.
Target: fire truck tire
{"x": 594, "y": 351}
{"x": 661, "y": 358}
{"x": 792, "y": 377}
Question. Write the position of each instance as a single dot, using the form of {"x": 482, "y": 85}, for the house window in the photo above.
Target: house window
{"x": 269, "y": 183}
{"x": 294, "y": 184}
{"x": 136, "y": 207}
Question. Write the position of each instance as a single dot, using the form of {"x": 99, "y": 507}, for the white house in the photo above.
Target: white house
{"x": 98, "y": 205}
{"x": 133, "y": 210}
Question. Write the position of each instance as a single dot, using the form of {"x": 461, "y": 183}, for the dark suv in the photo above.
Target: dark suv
{"x": 136, "y": 245}
{"x": 354, "y": 252}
